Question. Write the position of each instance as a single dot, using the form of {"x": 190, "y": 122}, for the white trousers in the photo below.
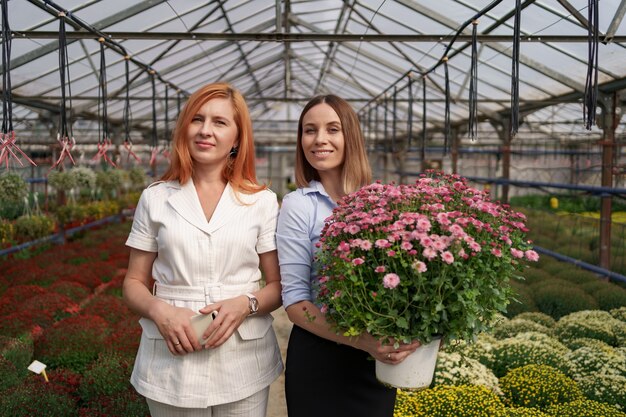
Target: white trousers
{"x": 252, "y": 406}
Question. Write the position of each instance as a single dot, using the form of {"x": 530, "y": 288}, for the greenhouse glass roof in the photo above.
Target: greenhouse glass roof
{"x": 281, "y": 53}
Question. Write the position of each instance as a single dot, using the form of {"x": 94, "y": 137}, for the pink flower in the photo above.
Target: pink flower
{"x": 391, "y": 281}
{"x": 382, "y": 243}
{"x": 353, "y": 229}
{"x": 324, "y": 309}
{"x": 496, "y": 252}
{"x": 358, "y": 261}
{"x": 531, "y": 255}
{"x": 517, "y": 253}
{"x": 429, "y": 253}
{"x": 343, "y": 247}
{"x": 406, "y": 246}
{"x": 391, "y": 253}
{"x": 419, "y": 266}
{"x": 380, "y": 269}
{"x": 365, "y": 245}
{"x": 447, "y": 257}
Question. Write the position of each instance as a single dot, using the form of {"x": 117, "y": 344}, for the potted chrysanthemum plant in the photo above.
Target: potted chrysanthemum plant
{"x": 429, "y": 261}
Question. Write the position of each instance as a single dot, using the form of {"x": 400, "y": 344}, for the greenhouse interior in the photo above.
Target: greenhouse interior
{"x": 520, "y": 100}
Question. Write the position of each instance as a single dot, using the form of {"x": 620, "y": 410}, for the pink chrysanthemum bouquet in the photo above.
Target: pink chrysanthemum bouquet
{"x": 412, "y": 262}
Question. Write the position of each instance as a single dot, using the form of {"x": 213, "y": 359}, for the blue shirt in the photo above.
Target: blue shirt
{"x": 300, "y": 223}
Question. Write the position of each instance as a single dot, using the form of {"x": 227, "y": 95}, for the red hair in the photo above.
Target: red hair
{"x": 240, "y": 170}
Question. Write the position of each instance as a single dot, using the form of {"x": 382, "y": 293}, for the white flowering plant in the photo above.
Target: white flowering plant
{"x": 419, "y": 261}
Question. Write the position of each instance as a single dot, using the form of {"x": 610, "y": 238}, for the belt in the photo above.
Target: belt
{"x": 208, "y": 294}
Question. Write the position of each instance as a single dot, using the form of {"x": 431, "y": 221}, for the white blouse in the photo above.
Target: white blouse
{"x": 199, "y": 263}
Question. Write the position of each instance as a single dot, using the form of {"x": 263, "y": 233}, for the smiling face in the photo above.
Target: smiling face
{"x": 212, "y": 133}
{"x": 323, "y": 141}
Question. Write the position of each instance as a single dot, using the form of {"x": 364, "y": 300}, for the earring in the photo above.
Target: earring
{"x": 233, "y": 152}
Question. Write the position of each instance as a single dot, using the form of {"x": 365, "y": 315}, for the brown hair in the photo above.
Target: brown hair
{"x": 356, "y": 171}
{"x": 240, "y": 170}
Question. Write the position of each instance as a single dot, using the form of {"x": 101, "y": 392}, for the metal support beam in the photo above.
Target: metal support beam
{"x": 296, "y": 37}
{"x": 617, "y": 20}
{"x": 53, "y": 46}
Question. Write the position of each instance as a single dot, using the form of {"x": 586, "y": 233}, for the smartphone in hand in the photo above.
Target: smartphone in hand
{"x": 199, "y": 323}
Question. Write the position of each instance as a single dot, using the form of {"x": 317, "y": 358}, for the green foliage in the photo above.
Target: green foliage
{"x": 537, "y": 317}
{"x": 517, "y": 325}
{"x": 532, "y": 275}
{"x": 589, "y": 361}
{"x": 619, "y": 313}
{"x": 521, "y": 301}
{"x": 37, "y": 398}
{"x": 449, "y": 401}
{"x": 84, "y": 178}
{"x": 137, "y": 177}
{"x": 558, "y": 300}
{"x": 61, "y": 180}
{"x": 15, "y": 356}
{"x": 594, "y": 324}
{"x": 32, "y": 227}
{"x": 126, "y": 403}
{"x": 607, "y": 389}
{"x": 574, "y": 344}
{"x": 73, "y": 343}
{"x": 610, "y": 297}
{"x": 523, "y": 350}
{"x": 454, "y": 369}
{"x": 481, "y": 349}
{"x": 74, "y": 290}
{"x": 525, "y": 412}
{"x": 107, "y": 376}
{"x": 13, "y": 188}
{"x": 576, "y": 275}
{"x": 584, "y": 408}
{"x": 7, "y": 233}
{"x": 538, "y": 386}
{"x": 109, "y": 181}
{"x": 571, "y": 203}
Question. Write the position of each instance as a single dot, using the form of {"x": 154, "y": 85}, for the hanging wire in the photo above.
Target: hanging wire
{"x": 410, "y": 121}
{"x": 446, "y": 139}
{"x": 166, "y": 148}
{"x": 591, "y": 84}
{"x": 473, "y": 87}
{"x": 104, "y": 140}
{"x": 128, "y": 142}
{"x": 65, "y": 135}
{"x": 8, "y": 145}
{"x": 515, "y": 68}
{"x": 7, "y": 110}
{"x": 394, "y": 118}
{"x": 155, "y": 140}
{"x": 423, "y": 144}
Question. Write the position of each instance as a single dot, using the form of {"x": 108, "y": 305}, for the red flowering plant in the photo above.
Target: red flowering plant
{"x": 418, "y": 261}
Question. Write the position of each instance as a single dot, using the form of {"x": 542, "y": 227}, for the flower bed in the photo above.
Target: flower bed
{"x": 90, "y": 378}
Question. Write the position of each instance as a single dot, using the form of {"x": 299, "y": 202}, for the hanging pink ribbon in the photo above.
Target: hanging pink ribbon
{"x": 102, "y": 152}
{"x": 153, "y": 156}
{"x": 66, "y": 150}
{"x": 7, "y": 145}
{"x": 129, "y": 148}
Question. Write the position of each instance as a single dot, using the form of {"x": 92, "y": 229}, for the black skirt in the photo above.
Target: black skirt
{"x": 326, "y": 379}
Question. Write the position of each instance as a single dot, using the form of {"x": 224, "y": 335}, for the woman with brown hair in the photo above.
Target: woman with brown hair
{"x": 327, "y": 374}
{"x": 203, "y": 234}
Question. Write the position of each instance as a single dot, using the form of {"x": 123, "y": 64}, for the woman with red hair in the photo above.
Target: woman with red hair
{"x": 203, "y": 234}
